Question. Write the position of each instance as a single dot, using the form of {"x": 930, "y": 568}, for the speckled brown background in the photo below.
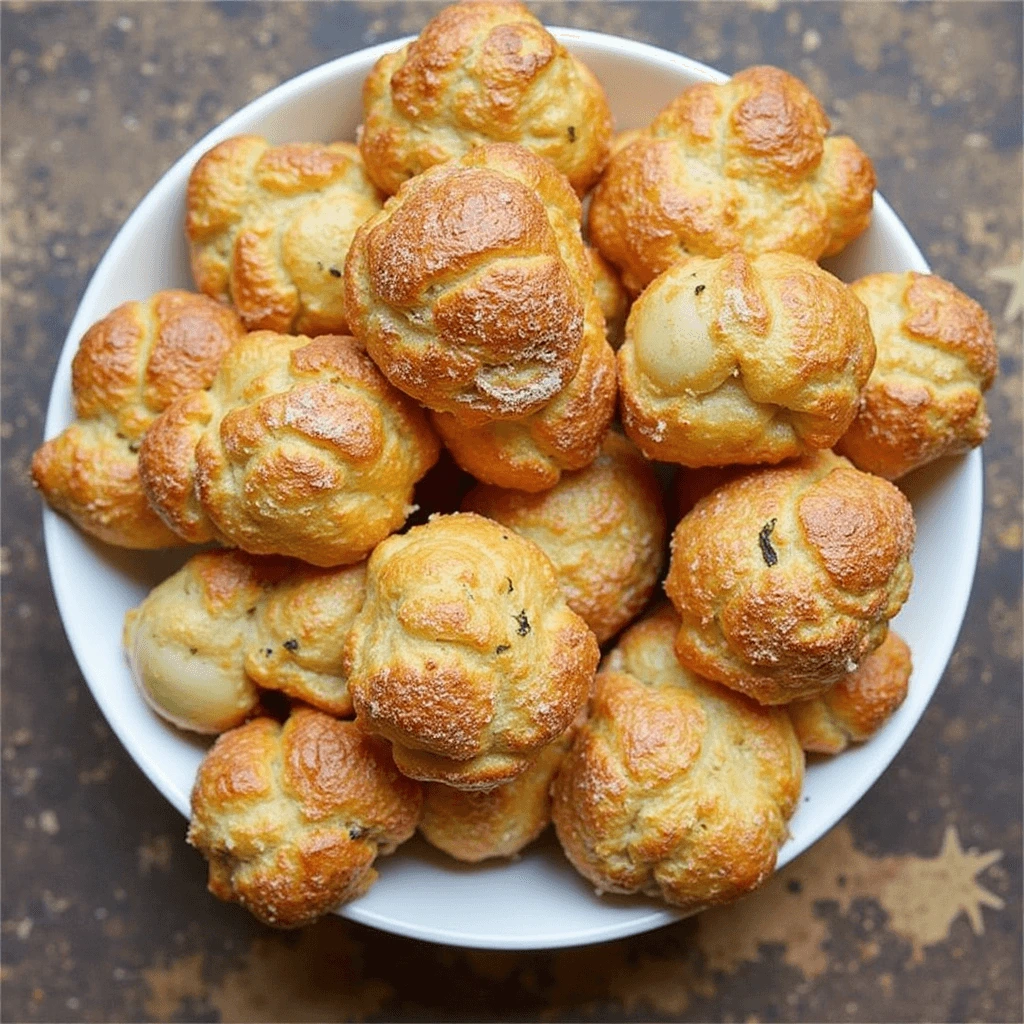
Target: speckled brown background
{"x": 908, "y": 910}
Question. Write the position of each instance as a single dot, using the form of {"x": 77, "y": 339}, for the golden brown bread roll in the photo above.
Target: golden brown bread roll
{"x": 612, "y": 297}
{"x": 482, "y": 71}
{"x": 786, "y": 578}
{"x": 292, "y": 818}
{"x": 740, "y": 359}
{"x": 128, "y": 368}
{"x": 300, "y": 630}
{"x": 465, "y": 654}
{"x": 856, "y": 707}
{"x": 478, "y": 824}
{"x": 743, "y": 165}
{"x": 298, "y": 448}
{"x": 603, "y": 528}
{"x": 471, "y": 289}
{"x": 531, "y": 454}
{"x": 936, "y": 356}
{"x": 201, "y": 642}
{"x": 675, "y": 787}
{"x": 269, "y": 228}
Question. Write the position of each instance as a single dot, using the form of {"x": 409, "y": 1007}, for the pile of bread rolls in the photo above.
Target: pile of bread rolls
{"x": 362, "y": 306}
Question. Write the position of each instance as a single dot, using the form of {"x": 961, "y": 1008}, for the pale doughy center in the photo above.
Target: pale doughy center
{"x": 198, "y": 692}
{"x": 673, "y": 345}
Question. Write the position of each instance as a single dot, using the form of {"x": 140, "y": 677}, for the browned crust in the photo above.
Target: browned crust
{"x": 300, "y": 447}
{"x": 743, "y": 359}
{"x": 128, "y": 368}
{"x": 465, "y": 654}
{"x": 532, "y": 454}
{"x": 292, "y": 818}
{"x": 429, "y": 279}
{"x": 674, "y": 787}
{"x": 269, "y": 228}
{"x": 936, "y": 357}
{"x": 838, "y": 541}
{"x": 769, "y": 179}
{"x": 603, "y": 527}
{"x": 479, "y": 72}
{"x": 856, "y": 707}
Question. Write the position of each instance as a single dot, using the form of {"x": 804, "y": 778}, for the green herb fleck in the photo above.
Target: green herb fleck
{"x": 764, "y": 539}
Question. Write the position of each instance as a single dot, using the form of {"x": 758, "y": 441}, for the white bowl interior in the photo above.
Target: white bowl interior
{"x": 538, "y": 900}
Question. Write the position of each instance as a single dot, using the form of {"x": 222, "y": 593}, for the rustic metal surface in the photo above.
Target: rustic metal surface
{"x": 908, "y": 910}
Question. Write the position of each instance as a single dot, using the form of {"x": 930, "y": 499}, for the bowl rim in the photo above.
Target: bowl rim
{"x": 64, "y": 587}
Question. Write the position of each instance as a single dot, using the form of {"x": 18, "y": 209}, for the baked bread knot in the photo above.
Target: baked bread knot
{"x": 482, "y": 71}
{"x": 465, "y": 654}
{"x": 471, "y": 288}
{"x": 856, "y": 707}
{"x": 786, "y": 578}
{"x": 675, "y": 787}
{"x": 472, "y": 825}
{"x": 611, "y": 296}
{"x": 269, "y": 228}
{"x": 739, "y": 359}
{"x": 128, "y": 368}
{"x": 226, "y": 623}
{"x": 743, "y": 165}
{"x": 603, "y": 528}
{"x": 300, "y": 447}
{"x": 566, "y": 434}
{"x": 291, "y": 818}
{"x": 936, "y": 356}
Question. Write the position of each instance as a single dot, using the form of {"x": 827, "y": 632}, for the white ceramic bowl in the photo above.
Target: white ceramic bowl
{"x": 538, "y": 900}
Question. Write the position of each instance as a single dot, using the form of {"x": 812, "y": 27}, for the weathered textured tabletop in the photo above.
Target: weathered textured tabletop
{"x": 908, "y": 910}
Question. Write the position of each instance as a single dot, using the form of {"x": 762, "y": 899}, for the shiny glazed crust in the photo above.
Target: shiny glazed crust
{"x": 856, "y": 707}
{"x": 482, "y": 72}
{"x": 787, "y": 577}
{"x": 465, "y": 654}
{"x": 476, "y": 825}
{"x": 299, "y": 448}
{"x": 292, "y": 818}
{"x": 471, "y": 289}
{"x": 531, "y": 454}
{"x": 675, "y": 787}
{"x": 603, "y": 528}
{"x": 936, "y": 356}
{"x": 227, "y": 622}
{"x": 742, "y": 359}
{"x": 742, "y": 165}
{"x": 128, "y": 368}
{"x": 269, "y": 228}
